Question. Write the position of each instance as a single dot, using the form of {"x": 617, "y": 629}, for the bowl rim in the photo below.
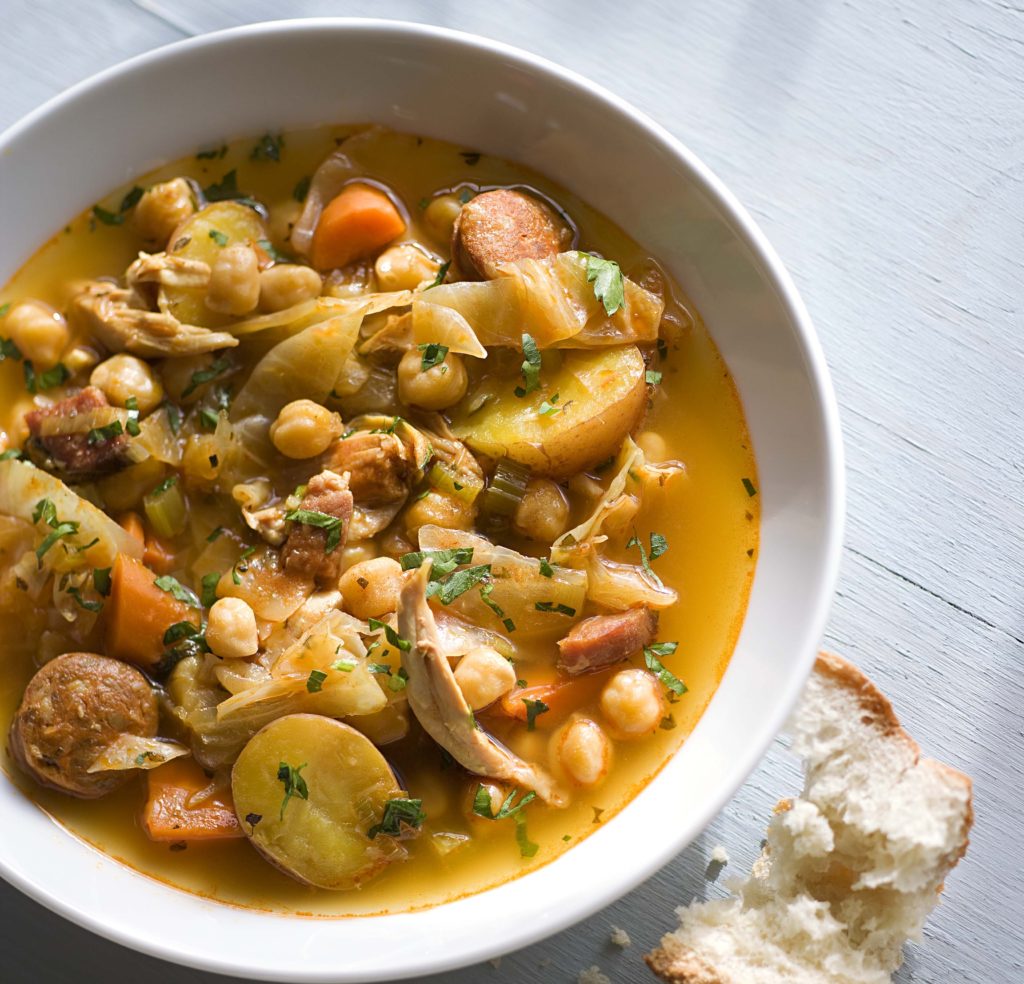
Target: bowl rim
{"x": 833, "y": 505}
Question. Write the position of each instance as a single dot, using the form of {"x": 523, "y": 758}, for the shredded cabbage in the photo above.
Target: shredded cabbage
{"x": 621, "y": 586}
{"x": 551, "y": 299}
{"x": 272, "y": 593}
{"x": 23, "y": 486}
{"x": 135, "y": 752}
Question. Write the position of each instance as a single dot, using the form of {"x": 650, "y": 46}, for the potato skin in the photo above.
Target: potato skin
{"x": 74, "y": 707}
{"x": 320, "y": 841}
{"x": 604, "y": 396}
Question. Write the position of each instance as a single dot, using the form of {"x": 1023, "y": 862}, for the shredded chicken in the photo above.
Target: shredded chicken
{"x": 113, "y": 317}
{"x": 438, "y": 703}
{"x": 168, "y": 270}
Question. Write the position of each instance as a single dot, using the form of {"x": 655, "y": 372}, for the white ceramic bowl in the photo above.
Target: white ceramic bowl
{"x": 72, "y": 151}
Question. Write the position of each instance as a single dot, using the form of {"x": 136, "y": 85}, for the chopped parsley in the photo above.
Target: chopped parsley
{"x": 4, "y": 308}
{"x": 315, "y": 681}
{"x": 442, "y": 272}
{"x": 652, "y": 378}
{"x": 165, "y": 486}
{"x": 651, "y": 659}
{"x": 37, "y": 382}
{"x": 606, "y": 276}
{"x": 397, "y": 681}
{"x": 272, "y": 251}
{"x": 559, "y": 609}
{"x": 546, "y": 569}
{"x": 104, "y": 435}
{"x": 202, "y": 376}
{"x": 548, "y": 408}
{"x": 11, "y": 453}
{"x": 658, "y": 546}
{"x": 46, "y": 511}
{"x": 294, "y": 785}
{"x": 527, "y": 847}
{"x": 239, "y": 567}
{"x": 749, "y": 486}
{"x": 209, "y": 588}
{"x": 530, "y": 368}
{"x": 332, "y": 525}
{"x": 101, "y": 580}
{"x": 485, "y": 597}
{"x": 118, "y": 217}
{"x": 173, "y": 416}
{"x": 177, "y": 590}
{"x": 179, "y": 631}
{"x": 390, "y": 634}
{"x": 451, "y": 586}
{"x": 87, "y": 604}
{"x": 471, "y": 157}
{"x": 218, "y": 237}
{"x": 398, "y": 811}
{"x": 483, "y": 807}
{"x": 390, "y": 429}
{"x": 442, "y": 561}
{"x": 433, "y": 355}
{"x": 132, "y": 423}
{"x": 534, "y": 708}
{"x": 301, "y": 189}
{"x": 8, "y": 350}
{"x": 268, "y": 148}
{"x": 342, "y": 665}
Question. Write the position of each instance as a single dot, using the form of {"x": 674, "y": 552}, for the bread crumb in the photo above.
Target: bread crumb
{"x": 719, "y": 854}
{"x": 620, "y": 937}
{"x": 592, "y": 975}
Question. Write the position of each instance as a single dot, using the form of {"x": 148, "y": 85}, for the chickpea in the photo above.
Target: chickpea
{"x": 304, "y": 429}
{"x": 543, "y": 513}
{"x": 231, "y": 629}
{"x": 438, "y": 509}
{"x": 40, "y": 332}
{"x": 370, "y": 589}
{"x": 287, "y": 284}
{"x": 653, "y": 445}
{"x": 123, "y": 376}
{"x": 162, "y": 208}
{"x": 440, "y": 216}
{"x": 404, "y": 267}
{"x": 436, "y": 388}
{"x": 584, "y": 751}
{"x": 234, "y": 281}
{"x": 357, "y": 553}
{"x": 484, "y": 675}
{"x": 633, "y": 704}
{"x": 79, "y": 359}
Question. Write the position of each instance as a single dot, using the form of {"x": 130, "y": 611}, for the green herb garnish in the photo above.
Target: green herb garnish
{"x": 651, "y": 659}
{"x": 8, "y": 350}
{"x": 533, "y": 709}
{"x": 209, "y": 588}
{"x": 546, "y": 569}
{"x": 177, "y": 590}
{"x": 218, "y": 237}
{"x": 101, "y": 580}
{"x": 333, "y": 525}
{"x": 749, "y": 486}
{"x": 549, "y": 606}
{"x": 442, "y": 561}
{"x": 652, "y": 378}
{"x": 606, "y": 276}
{"x": 390, "y": 634}
{"x": 268, "y": 148}
{"x": 442, "y": 272}
{"x": 301, "y": 189}
{"x": 104, "y": 435}
{"x": 294, "y": 785}
{"x": 530, "y": 368}
{"x": 448, "y": 588}
{"x": 485, "y": 597}
{"x": 38, "y": 382}
{"x": 398, "y": 811}
{"x": 483, "y": 807}
{"x": 131, "y": 425}
{"x": 203, "y": 376}
{"x": 179, "y": 631}
{"x": 315, "y": 681}
{"x": 433, "y": 354}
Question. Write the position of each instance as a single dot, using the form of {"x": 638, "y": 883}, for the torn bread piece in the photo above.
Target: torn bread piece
{"x": 850, "y": 869}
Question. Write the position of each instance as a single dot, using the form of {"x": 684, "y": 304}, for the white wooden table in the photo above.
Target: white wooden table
{"x": 880, "y": 143}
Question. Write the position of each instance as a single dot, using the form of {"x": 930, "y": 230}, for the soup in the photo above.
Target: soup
{"x": 376, "y": 518}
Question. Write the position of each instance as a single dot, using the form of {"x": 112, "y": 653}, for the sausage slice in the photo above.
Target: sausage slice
{"x": 504, "y": 225}
{"x": 72, "y": 709}
{"x": 75, "y": 454}
{"x": 603, "y": 640}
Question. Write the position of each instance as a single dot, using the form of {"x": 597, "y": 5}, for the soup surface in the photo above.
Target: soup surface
{"x": 402, "y": 506}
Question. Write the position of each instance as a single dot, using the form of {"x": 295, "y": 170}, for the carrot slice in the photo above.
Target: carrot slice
{"x": 561, "y": 697}
{"x": 159, "y": 556}
{"x": 179, "y": 808}
{"x": 138, "y": 613}
{"x": 355, "y": 224}
{"x": 131, "y": 523}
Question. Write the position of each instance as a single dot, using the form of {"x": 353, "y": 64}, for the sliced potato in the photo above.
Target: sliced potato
{"x": 201, "y": 237}
{"x": 319, "y": 838}
{"x": 601, "y": 396}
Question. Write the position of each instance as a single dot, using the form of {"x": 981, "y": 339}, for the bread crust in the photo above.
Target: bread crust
{"x": 677, "y": 963}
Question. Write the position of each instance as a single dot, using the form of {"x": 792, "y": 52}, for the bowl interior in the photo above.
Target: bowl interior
{"x": 481, "y": 94}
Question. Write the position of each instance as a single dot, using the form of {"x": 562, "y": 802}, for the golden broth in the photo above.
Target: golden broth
{"x": 708, "y": 518}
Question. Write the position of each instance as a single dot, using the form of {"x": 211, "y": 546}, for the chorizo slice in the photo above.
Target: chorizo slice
{"x": 72, "y": 709}
{"x": 313, "y": 549}
{"x": 77, "y": 454}
{"x": 504, "y": 225}
{"x": 603, "y": 640}
{"x": 379, "y": 466}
